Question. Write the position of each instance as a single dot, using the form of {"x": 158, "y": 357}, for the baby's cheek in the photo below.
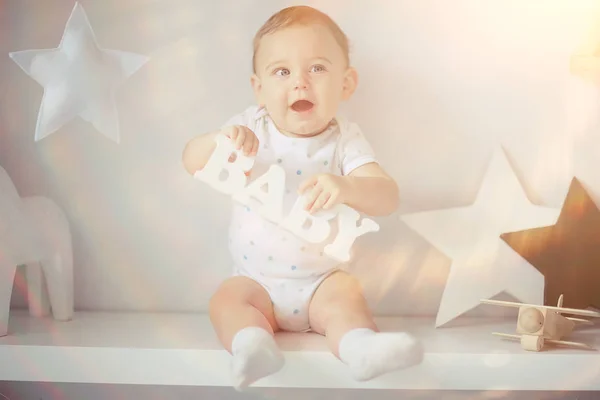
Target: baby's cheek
{"x": 284, "y": 100}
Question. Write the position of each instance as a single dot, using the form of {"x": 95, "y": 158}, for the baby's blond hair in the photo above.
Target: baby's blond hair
{"x": 300, "y": 15}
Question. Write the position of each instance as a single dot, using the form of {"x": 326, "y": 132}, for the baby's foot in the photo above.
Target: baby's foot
{"x": 370, "y": 354}
{"x": 255, "y": 355}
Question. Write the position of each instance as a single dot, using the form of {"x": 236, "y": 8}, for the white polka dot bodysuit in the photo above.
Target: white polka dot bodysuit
{"x": 287, "y": 266}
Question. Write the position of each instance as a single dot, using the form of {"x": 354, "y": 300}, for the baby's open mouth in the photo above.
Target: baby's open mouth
{"x": 302, "y": 106}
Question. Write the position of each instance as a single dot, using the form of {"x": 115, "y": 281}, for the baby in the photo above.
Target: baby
{"x": 281, "y": 282}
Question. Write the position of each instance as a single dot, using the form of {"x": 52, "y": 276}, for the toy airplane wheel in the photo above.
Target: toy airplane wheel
{"x": 532, "y": 343}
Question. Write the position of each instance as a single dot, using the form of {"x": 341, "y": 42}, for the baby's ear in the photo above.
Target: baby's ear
{"x": 350, "y": 83}
{"x": 257, "y": 86}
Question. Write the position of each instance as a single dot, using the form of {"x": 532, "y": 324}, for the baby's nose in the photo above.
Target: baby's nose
{"x": 301, "y": 82}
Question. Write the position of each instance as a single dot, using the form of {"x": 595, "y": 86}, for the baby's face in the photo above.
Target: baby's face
{"x": 301, "y": 78}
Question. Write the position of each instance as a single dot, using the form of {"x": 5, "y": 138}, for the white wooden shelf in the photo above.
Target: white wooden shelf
{"x": 182, "y": 349}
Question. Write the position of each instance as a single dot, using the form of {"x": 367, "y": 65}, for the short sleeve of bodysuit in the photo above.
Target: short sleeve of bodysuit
{"x": 355, "y": 150}
{"x": 245, "y": 118}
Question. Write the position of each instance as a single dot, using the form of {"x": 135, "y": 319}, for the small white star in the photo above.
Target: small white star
{"x": 79, "y": 78}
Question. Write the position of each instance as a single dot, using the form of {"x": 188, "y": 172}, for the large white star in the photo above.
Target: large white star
{"x": 482, "y": 264}
{"x": 79, "y": 78}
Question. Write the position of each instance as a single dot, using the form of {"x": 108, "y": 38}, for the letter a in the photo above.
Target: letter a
{"x": 272, "y": 199}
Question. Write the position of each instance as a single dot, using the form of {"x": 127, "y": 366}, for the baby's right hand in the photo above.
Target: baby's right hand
{"x": 242, "y": 137}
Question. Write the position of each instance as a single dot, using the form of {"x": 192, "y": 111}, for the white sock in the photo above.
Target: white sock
{"x": 255, "y": 355}
{"x": 370, "y": 354}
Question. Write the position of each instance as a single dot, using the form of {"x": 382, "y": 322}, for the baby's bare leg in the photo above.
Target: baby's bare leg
{"x": 340, "y": 311}
{"x": 337, "y": 307}
{"x": 242, "y": 316}
{"x": 239, "y": 303}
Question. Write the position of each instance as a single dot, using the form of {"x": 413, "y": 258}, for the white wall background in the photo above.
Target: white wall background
{"x": 442, "y": 83}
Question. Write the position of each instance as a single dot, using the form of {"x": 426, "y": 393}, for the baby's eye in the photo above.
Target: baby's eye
{"x": 317, "y": 68}
{"x": 282, "y": 72}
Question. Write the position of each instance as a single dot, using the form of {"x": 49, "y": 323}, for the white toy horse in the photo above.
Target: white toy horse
{"x": 34, "y": 232}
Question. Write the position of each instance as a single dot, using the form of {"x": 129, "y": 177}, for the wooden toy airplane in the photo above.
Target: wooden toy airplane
{"x": 540, "y": 325}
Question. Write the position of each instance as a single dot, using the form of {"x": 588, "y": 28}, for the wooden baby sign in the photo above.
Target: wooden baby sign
{"x": 270, "y": 201}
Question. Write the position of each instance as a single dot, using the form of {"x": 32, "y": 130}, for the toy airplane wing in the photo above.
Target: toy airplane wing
{"x": 503, "y": 303}
{"x": 580, "y": 321}
{"x": 549, "y": 341}
{"x": 574, "y": 311}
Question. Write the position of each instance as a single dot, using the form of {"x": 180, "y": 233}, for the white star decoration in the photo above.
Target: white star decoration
{"x": 79, "y": 78}
{"x": 482, "y": 264}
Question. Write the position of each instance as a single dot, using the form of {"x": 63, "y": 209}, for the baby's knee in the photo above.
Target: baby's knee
{"x": 238, "y": 290}
{"x": 340, "y": 289}
{"x": 227, "y": 293}
{"x": 217, "y": 304}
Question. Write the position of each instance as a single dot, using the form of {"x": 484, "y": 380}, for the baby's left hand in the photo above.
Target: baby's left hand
{"x": 325, "y": 191}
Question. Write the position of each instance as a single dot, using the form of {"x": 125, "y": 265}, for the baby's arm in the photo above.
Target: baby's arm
{"x": 197, "y": 152}
{"x": 363, "y": 184}
{"x": 371, "y": 190}
{"x": 367, "y": 189}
